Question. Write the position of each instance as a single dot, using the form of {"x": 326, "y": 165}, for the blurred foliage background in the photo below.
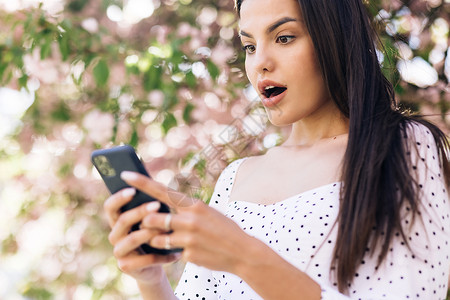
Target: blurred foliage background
{"x": 165, "y": 76}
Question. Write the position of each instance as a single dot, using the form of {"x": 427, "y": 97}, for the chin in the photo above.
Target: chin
{"x": 278, "y": 118}
{"x": 279, "y": 122}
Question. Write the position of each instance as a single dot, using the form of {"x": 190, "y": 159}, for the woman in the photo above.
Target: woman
{"x": 353, "y": 205}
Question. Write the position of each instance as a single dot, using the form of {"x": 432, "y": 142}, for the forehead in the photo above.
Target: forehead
{"x": 264, "y": 12}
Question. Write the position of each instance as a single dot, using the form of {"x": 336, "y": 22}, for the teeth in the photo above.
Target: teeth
{"x": 269, "y": 87}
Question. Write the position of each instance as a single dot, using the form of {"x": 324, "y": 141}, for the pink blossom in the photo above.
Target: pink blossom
{"x": 184, "y": 30}
{"x": 221, "y": 54}
{"x": 99, "y": 126}
{"x": 156, "y": 98}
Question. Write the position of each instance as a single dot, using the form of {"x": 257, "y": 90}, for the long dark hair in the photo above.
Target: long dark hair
{"x": 377, "y": 178}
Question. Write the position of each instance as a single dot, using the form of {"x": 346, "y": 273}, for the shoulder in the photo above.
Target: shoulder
{"x": 421, "y": 146}
{"x": 419, "y": 134}
{"x": 427, "y": 166}
{"x": 238, "y": 166}
{"x": 229, "y": 172}
{"x": 224, "y": 184}
{"x": 433, "y": 198}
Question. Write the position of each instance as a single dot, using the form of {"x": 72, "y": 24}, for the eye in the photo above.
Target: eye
{"x": 249, "y": 49}
{"x": 284, "y": 39}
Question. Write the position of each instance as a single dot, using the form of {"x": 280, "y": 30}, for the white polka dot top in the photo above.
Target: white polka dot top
{"x": 300, "y": 229}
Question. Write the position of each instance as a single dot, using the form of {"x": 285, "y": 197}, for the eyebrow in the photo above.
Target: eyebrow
{"x": 271, "y": 27}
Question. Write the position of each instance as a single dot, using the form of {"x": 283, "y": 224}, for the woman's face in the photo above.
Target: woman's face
{"x": 280, "y": 61}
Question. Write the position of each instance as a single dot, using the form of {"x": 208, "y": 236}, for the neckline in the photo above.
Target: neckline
{"x": 336, "y": 183}
{"x": 288, "y": 198}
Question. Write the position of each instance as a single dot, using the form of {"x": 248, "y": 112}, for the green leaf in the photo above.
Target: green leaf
{"x": 37, "y": 293}
{"x": 190, "y": 79}
{"x": 152, "y": 78}
{"x": 65, "y": 170}
{"x": 177, "y": 57}
{"x": 63, "y": 42}
{"x": 169, "y": 100}
{"x": 46, "y": 49}
{"x": 28, "y": 22}
{"x": 399, "y": 90}
{"x": 372, "y": 7}
{"x": 169, "y": 122}
{"x": 187, "y": 158}
{"x": 18, "y": 55}
{"x": 88, "y": 59}
{"x": 134, "y": 138}
{"x": 66, "y": 24}
{"x": 61, "y": 113}
{"x": 9, "y": 244}
{"x": 9, "y": 75}
{"x": 23, "y": 80}
{"x": 77, "y": 5}
{"x": 200, "y": 167}
{"x": 3, "y": 67}
{"x": 7, "y": 57}
{"x": 133, "y": 70}
{"x": 212, "y": 69}
{"x": 101, "y": 72}
{"x": 187, "y": 112}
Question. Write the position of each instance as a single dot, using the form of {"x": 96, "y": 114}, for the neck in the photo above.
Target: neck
{"x": 307, "y": 132}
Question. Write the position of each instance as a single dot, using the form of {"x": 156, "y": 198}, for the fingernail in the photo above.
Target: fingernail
{"x": 126, "y": 175}
{"x": 152, "y": 206}
{"x": 128, "y": 192}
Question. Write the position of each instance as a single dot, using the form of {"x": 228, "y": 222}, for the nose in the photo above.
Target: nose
{"x": 263, "y": 60}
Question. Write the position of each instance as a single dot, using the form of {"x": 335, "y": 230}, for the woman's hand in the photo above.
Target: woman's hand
{"x": 144, "y": 268}
{"x": 209, "y": 239}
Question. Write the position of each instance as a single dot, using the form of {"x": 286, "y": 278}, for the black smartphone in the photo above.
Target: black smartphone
{"x": 110, "y": 163}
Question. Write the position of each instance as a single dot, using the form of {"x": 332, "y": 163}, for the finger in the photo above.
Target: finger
{"x": 113, "y": 204}
{"x": 157, "y": 190}
{"x": 127, "y": 219}
{"x": 133, "y": 240}
{"x": 136, "y": 262}
{"x": 157, "y": 221}
{"x": 173, "y": 240}
{"x": 187, "y": 219}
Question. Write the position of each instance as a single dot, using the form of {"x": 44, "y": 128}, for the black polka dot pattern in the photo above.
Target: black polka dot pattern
{"x": 302, "y": 230}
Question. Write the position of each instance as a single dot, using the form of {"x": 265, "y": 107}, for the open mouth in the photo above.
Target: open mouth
{"x": 271, "y": 91}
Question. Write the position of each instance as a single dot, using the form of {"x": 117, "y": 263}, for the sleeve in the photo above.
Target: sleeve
{"x": 429, "y": 235}
{"x": 421, "y": 271}
{"x": 197, "y": 282}
{"x": 224, "y": 184}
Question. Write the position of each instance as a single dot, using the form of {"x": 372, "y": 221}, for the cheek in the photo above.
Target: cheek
{"x": 306, "y": 69}
{"x": 248, "y": 72}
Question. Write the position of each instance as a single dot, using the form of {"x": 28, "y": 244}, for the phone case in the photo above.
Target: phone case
{"x": 110, "y": 163}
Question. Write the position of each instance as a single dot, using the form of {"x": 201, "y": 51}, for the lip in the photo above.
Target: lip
{"x": 274, "y": 100}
